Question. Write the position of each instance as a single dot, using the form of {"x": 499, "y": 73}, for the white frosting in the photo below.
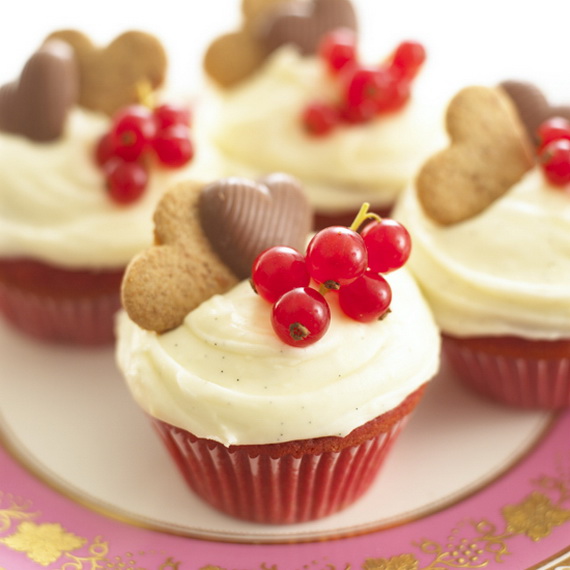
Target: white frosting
{"x": 257, "y": 126}
{"x": 505, "y": 271}
{"x": 224, "y": 375}
{"x": 54, "y": 206}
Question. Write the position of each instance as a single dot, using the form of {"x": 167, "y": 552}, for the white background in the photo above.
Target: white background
{"x": 476, "y": 41}
{"x": 468, "y": 42}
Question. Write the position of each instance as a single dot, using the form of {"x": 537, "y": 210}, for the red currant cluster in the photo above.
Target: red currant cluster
{"x": 365, "y": 91}
{"x": 137, "y": 132}
{"x": 339, "y": 261}
{"x": 554, "y": 150}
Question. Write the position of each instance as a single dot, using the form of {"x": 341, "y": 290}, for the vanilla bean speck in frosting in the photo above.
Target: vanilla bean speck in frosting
{"x": 257, "y": 127}
{"x": 224, "y": 375}
{"x": 505, "y": 271}
{"x": 54, "y": 205}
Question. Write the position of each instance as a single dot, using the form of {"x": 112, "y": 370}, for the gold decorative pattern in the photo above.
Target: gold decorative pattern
{"x": 561, "y": 562}
{"x": 272, "y": 567}
{"x": 477, "y": 544}
{"x": 47, "y": 543}
{"x": 15, "y": 510}
{"x": 402, "y": 562}
{"x": 96, "y": 552}
{"x": 536, "y": 516}
{"x": 127, "y": 562}
{"x": 471, "y": 544}
{"x": 42, "y": 543}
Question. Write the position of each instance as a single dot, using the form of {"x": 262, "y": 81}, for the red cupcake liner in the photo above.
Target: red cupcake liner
{"x": 291, "y": 482}
{"x": 276, "y": 490}
{"x": 72, "y": 321}
{"x": 524, "y": 379}
{"x": 59, "y": 305}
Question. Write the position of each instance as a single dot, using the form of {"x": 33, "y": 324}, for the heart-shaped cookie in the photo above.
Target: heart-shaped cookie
{"x": 162, "y": 284}
{"x": 234, "y": 56}
{"x": 36, "y": 105}
{"x": 532, "y": 106}
{"x": 111, "y": 77}
{"x": 303, "y": 23}
{"x": 242, "y": 217}
{"x": 489, "y": 152}
{"x": 193, "y": 223}
{"x": 252, "y": 9}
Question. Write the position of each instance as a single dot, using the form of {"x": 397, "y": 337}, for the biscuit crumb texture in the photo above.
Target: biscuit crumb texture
{"x": 167, "y": 281}
{"x": 488, "y": 153}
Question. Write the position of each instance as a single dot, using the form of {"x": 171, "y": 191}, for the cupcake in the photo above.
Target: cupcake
{"x": 290, "y": 92}
{"x": 80, "y": 180}
{"x": 263, "y": 427}
{"x": 490, "y": 220}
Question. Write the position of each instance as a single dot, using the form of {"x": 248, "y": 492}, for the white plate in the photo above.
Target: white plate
{"x": 68, "y": 416}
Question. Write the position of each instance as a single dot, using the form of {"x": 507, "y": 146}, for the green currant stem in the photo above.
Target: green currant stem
{"x": 327, "y": 286}
{"x": 362, "y": 216}
{"x": 145, "y": 94}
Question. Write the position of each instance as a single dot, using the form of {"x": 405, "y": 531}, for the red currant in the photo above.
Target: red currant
{"x": 395, "y": 95}
{"x": 364, "y": 84}
{"x": 169, "y": 114}
{"x": 104, "y": 149}
{"x": 552, "y": 129}
{"x": 301, "y": 316}
{"x": 355, "y": 114}
{"x": 338, "y": 48}
{"x": 555, "y": 161}
{"x": 371, "y": 91}
{"x": 133, "y": 130}
{"x": 407, "y": 59}
{"x": 319, "y": 119}
{"x": 336, "y": 256}
{"x": 173, "y": 146}
{"x": 278, "y": 270}
{"x": 388, "y": 244}
{"x": 367, "y": 298}
{"x": 126, "y": 180}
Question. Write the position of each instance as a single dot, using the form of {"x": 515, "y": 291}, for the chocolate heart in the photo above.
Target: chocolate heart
{"x": 36, "y": 104}
{"x": 303, "y": 23}
{"x": 241, "y": 218}
{"x": 205, "y": 239}
{"x": 112, "y": 77}
{"x": 532, "y": 106}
